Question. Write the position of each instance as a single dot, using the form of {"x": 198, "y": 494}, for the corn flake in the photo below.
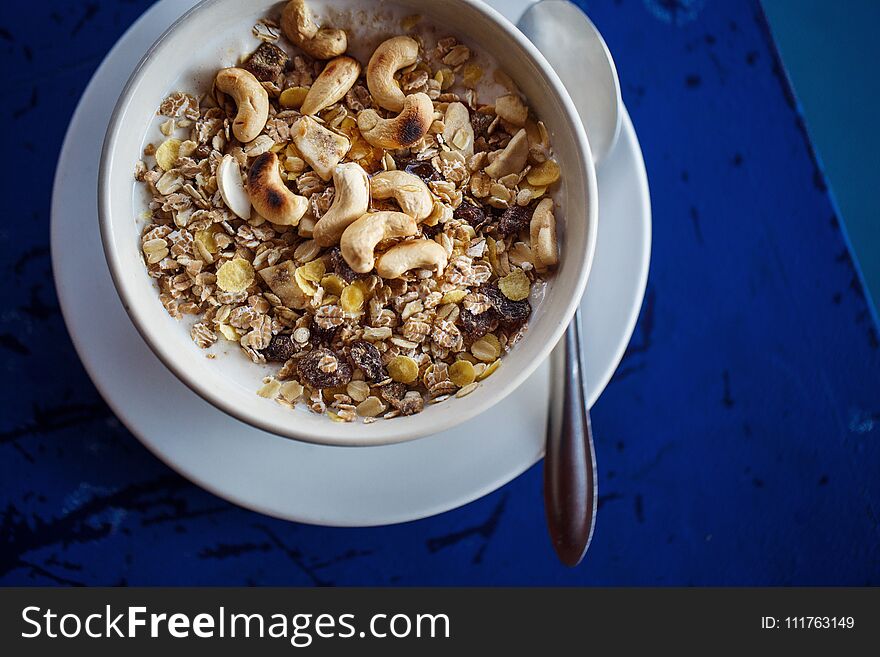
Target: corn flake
{"x": 235, "y": 275}
{"x": 403, "y": 369}
{"x": 293, "y": 97}
{"x": 515, "y": 286}
{"x": 489, "y": 370}
{"x": 352, "y": 299}
{"x": 544, "y": 174}
{"x": 462, "y": 373}
{"x": 167, "y": 153}
{"x": 333, "y": 284}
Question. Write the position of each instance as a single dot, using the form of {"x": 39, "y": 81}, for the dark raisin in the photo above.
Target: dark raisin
{"x": 366, "y": 357}
{"x": 432, "y": 231}
{"x": 393, "y": 392}
{"x": 202, "y": 151}
{"x": 471, "y": 214}
{"x": 309, "y": 370}
{"x": 481, "y": 122}
{"x": 510, "y": 312}
{"x": 513, "y": 220}
{"x": 473, "y": 327}
{"x": 268, "y": 63}
{"x": 423, "y": 169}
{"x": 340, "y": 267}
{"x": 280, "y": 349}
{"x": 320, "y": 335}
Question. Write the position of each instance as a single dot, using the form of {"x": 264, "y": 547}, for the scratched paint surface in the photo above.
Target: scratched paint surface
{"x": 739, "y": 442}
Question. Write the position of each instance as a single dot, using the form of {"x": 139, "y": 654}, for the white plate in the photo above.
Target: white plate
{"x": 294, "y": 480}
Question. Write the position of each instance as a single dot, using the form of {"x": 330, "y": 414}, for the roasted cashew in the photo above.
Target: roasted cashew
{"x": 298, "y": 26}
{"x": 391, "y": 56}
{"x": 358, "y": 242}
{"x": 542, "y": 234}
{"x": 512, "y": 159}
{"x": 458, "y": 132}
{"x": 404, "y": 130}
{"x": 350, "y": 203}
{"x": 410, "y": 192}
{"x": 338, "y": 76}
{"x": 251, "y": 99}
{"x": 270, "y": 195}
{"x": 415, "y": 254}
{"x": 321, "y": 148}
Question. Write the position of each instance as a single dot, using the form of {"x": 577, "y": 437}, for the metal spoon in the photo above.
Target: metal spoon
{"x": 576, "y": 50}
{"x": 578, "y": 54}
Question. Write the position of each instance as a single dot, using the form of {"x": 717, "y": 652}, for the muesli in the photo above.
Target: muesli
{"x": 376, "y": 230}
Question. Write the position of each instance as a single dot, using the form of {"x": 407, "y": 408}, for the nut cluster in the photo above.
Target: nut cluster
{"x": 375, "y": 229}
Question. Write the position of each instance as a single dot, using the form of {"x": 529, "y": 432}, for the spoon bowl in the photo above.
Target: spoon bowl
{"x": 579, "y": 55}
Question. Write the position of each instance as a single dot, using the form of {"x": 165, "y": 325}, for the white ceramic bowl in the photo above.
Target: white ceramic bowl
{"x": 214, "y": 34}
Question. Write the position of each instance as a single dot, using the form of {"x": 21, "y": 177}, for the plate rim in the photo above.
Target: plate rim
{"x": 428, "y": 511}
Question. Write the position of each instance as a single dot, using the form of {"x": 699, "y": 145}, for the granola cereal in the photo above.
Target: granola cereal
{"x": 367, "y": 295}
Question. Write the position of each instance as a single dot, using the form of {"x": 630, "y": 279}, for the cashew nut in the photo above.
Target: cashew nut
{"x": 321, "y": 148}
{"x": 358, "y": 242}
{"x": 350, "y": 203}
{"x": 415, "y": 254}
{"x": 458, "y": 132}
{"x": 270, "y": 195}
{"x": 404, "y": 130}
{"x": 338, "y": 76}
{"x": 542, "y": 234}
{"x": 512, "y": 159}
{"x": 410, "y": 192}
{"x": 298, "y": 26}
{"x": 391, "y": 56}
{"x": 251, "y": 99}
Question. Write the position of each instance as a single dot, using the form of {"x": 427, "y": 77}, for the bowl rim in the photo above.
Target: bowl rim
{"x": 333, "y": 433}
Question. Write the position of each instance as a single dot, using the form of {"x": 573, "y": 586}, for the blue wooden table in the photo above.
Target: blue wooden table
{"x": 739, "y": 442}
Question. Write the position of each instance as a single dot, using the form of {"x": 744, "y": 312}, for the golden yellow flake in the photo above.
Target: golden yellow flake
{"x": 235, "y": 275}
{"x": 544, "y": 174}
{"x": 333, "y": 284}
{"x": 453, "y": 296}
{"x": 489, "y": 370}
{"x": 403, "y": 369}
{"x": 472, "y": 74}
{"x": 167, "y": 153}
{"x": 293, "y": 97}
{"x": 515, "y": 286}
{"x": 462, "y": 373}
{"x": 352, "y": 299}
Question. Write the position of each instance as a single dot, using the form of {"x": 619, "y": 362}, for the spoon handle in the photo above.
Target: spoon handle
{"x": 570, "y": 461}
